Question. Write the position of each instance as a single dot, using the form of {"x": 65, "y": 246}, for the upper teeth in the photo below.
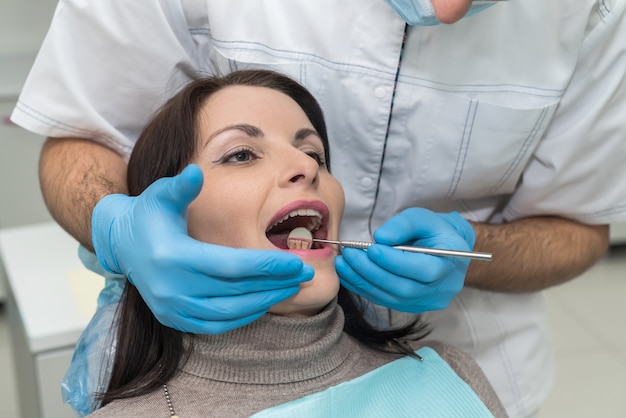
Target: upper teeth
{"x": 316, "y": 218}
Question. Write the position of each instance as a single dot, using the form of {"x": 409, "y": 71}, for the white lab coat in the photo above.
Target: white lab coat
{"x": 514, "y": 112}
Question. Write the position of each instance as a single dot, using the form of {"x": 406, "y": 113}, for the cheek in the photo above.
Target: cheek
{"x": 198, "y": 221}
{"x": 209, "y": 218}
{"x": 336, "y": 197}
{"x": 221, "y": 216}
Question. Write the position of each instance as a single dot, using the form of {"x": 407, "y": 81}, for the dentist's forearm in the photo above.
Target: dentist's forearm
{"x": 74, "y": 174}
{"x": 535, "y": 253}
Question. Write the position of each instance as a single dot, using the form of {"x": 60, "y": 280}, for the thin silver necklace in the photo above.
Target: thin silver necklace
{"x": 169, "y": 401}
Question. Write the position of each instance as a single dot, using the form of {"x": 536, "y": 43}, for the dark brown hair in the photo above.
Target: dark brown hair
{"x": 149, "y": 353}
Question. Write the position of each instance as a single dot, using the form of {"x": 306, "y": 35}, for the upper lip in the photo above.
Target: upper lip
{"x": 315, "y": 218}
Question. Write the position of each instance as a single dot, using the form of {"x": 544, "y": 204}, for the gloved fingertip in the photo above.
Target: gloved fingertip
{"x": 307, "y": 273}
{"x": 178, "y": 191}
{"x": 190, "y": 181}
{"x": 375, "y": 250}
{"x": 192, "y": 170}
{"x": 391, "y": 232}
{"x": 278, "y": 263}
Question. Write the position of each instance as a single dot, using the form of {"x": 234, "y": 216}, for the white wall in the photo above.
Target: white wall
{"x": 618, "y": 233}
{"x": 23, "y": 24}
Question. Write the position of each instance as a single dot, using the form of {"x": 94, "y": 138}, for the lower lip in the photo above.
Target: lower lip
{"x": 324, "y": 252}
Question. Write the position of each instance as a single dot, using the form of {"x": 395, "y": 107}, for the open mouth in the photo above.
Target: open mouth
{"x": 311, "y": 219}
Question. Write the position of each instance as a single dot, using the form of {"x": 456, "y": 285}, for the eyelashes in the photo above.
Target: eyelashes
{"x": 240, "y": 155}
{"x": 318, "y": 157}
{"x": 245, "y": 155}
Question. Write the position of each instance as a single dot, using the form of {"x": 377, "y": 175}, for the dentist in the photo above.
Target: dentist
{"x": 497, "y": 132}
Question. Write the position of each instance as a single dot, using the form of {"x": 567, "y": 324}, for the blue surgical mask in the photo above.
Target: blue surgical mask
{"x": 422, "y": 13}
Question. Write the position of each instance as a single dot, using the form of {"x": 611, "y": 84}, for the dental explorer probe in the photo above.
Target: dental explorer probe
{"x": 363, "y": 245}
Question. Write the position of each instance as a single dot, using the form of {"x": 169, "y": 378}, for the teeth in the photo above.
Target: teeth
{"x": 299, "y": 238}
{"x": 316, "y": 218}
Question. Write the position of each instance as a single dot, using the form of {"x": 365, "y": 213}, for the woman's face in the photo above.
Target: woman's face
{"x": 265, "y": 174}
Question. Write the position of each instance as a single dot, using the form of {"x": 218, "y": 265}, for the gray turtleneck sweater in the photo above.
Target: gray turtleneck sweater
{"x": 275, "y": 360}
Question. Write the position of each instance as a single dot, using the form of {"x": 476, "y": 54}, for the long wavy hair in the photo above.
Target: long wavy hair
{"x": 148, "y": 353}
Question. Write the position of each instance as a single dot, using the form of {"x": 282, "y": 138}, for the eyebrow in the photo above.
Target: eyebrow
{"x": 247, "y": 129}
{"x": 304, "y": 132}
{"x": 254, "y": 132}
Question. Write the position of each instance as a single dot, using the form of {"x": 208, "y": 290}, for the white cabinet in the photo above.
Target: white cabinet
{"x": 21, "y": 202}
{"x": 50, "y": 299}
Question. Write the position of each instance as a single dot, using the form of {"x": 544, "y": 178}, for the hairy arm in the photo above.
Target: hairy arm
{"x": 74, "y": 174}
{"x": 535, "y": 253}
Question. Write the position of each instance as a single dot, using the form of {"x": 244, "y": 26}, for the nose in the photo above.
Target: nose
{"x": 301, "y": 169}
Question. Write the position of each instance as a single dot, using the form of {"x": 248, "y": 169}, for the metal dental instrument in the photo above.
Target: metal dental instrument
{"x": 363, "y": 245}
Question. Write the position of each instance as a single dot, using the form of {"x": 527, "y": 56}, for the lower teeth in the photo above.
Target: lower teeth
{"x": 300, "y": 238}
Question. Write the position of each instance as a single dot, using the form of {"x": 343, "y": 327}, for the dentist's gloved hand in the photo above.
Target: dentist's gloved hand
{"x": 410, "y": 282}
{"x": 189, "y": 285}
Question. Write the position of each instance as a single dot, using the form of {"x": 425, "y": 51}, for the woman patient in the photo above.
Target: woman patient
{"x": 261, "y": 143}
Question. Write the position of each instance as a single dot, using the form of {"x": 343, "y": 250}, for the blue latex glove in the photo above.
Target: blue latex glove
{"x": 410, "y": 282}
{"x": 189, "y": 285}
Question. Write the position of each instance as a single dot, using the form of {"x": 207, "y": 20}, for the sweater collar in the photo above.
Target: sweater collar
{"x": 273, "y": 349}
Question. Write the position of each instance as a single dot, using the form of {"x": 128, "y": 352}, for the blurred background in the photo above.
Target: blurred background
{"x": 36, "y": 338}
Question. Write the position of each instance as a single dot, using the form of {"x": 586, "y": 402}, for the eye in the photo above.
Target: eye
{"x": 318, "y": 157}
{"x": 240, "y": 155}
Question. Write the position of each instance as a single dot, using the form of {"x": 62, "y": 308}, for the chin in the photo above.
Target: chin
{"x": 312, "y": 298}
